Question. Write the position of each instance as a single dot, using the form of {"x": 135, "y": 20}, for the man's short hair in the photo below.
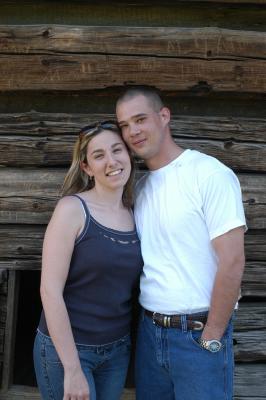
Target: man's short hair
{"x": 151, "y": 94}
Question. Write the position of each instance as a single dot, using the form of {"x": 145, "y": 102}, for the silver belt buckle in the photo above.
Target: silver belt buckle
{"x": 199, "y": 327}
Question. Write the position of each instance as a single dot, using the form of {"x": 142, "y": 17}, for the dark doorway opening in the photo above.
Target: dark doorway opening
{"x": 28, "y": 314}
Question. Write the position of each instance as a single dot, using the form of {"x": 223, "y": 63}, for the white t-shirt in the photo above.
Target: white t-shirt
{"x": 179, "y": 209}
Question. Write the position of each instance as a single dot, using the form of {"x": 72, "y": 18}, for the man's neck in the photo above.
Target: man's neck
{"x": 164, "y": 157}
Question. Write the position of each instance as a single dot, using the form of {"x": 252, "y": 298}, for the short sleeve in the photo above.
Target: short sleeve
{"x": 222, "y": 203}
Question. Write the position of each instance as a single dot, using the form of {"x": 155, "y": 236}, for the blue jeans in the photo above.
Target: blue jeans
{"x": 105, "y": 367}
{"x": 171, "y": 365}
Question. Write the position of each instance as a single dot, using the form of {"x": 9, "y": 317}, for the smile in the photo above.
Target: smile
{"x": 113, "y": 173}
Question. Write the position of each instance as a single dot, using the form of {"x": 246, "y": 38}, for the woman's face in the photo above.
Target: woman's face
{"x": 108, "y": 160}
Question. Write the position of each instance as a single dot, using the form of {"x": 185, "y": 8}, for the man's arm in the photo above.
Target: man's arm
{"x": 229, "y": 249}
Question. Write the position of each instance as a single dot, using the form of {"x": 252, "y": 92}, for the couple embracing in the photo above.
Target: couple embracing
{"x": 184, "y": 246}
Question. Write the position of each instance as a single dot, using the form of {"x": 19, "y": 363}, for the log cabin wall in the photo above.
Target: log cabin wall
{"x": 62, "y": 65}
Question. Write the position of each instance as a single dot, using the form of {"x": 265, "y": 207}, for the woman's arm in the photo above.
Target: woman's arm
{"x": 65, "y": 225}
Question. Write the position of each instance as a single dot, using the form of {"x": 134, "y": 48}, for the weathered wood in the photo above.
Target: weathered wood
{"x": 137, "y": 13}
{"x": 57, "y": 150}
{"x": 239, "y": 142}
{"x": 26, "y": 241}
{"x": 29, "y": 196}
{"x": 21, "y": 241}
{"x": 250, "y": 346}
{"x": 249, "y": 332}
{"x": 250, "y": 381}
{"x": 210, "y": 43}
{"x": 85, "y": 72}
{"x": 254, "y": 276}
{"x": 201, "y": 127}
{"x": 254, "y": 279}
{"x": 255, "y": 245}
{"x": 21, "y": 265}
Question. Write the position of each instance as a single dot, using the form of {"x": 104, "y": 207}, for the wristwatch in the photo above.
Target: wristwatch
{"x": 211, "y": 345}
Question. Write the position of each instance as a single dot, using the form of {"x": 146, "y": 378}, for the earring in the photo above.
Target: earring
{"x": 91, "y": 178}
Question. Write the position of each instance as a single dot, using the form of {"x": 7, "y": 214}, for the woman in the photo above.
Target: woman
{"x": 91, "y": 263}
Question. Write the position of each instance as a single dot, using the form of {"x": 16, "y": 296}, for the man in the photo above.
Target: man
{"x": 191, "y": 223}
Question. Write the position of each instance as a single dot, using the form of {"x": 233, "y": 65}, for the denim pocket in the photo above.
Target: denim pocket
{"x": 51, "y": 355}
{"x": 194, "y": 337}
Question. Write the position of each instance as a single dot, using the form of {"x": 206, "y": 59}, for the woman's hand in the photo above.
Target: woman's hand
{"x": 75, "y": 385}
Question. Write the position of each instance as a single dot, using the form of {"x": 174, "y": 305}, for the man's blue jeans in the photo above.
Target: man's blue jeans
{"x": 104, "y": 366}
{"x": 171, "y": 365}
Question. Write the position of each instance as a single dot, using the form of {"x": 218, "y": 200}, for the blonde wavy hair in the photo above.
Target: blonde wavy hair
{"x": 76, "y": 180}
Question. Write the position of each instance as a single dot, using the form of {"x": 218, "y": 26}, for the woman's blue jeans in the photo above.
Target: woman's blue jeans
{"x": 171, "y": 365}
{"x": 105, "y": 367}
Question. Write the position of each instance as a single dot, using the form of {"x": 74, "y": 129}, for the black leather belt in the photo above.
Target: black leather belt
{"x": 195, "y": 322}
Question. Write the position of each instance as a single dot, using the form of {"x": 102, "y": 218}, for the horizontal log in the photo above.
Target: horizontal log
{"x": 255, "y": 246}
{"x": 21, "y": 242}
{"x": 250, "y": 317}
{"x": 25, "y": 242}
{"x": 21, "y": 265}
{"x": 250, "y": 346}
{"x": 138, "y": 13}
{"x": 209, "y": 43}
{"x": 202, "y": 127}
{"x": 249, "y": 332}
{"x": 86, "y": 72}
{"x": 250, "y": 381}
{"x": 57, "y": 151}
{"x": 253, "y": 283}
{"x": 28, "y": 196}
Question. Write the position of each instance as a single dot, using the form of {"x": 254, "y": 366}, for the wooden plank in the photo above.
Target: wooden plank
{"x": 21, "y": 265}
{"x": 207, "y": 42}
{"x": 87, "y": 72}
{"x": 29, "y": 196}
{"x": 249, "y": 332}
{"x": 137, "y": 13}
{"x": 188, "y": 126}
{"x": 250, "y": 381}
{"x": 254, "y": 279}
{"x": 56, "y": 151}
{"x": 22, "y": 241}
{"x": 250, "y": 346}
{"x": 25, "y": 242}
{"x": 255, "y": 245}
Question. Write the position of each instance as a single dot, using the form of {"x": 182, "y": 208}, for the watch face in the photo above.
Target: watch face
{"x": 214, "y": 346}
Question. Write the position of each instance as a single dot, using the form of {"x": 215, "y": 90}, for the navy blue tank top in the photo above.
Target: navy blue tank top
{"x": 104, "y": 269}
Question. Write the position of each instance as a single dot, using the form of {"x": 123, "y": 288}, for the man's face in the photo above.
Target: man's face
{"x": 143, "y": 128}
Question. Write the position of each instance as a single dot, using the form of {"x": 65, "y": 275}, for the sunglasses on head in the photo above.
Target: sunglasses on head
{"x": 93, "y": 128}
